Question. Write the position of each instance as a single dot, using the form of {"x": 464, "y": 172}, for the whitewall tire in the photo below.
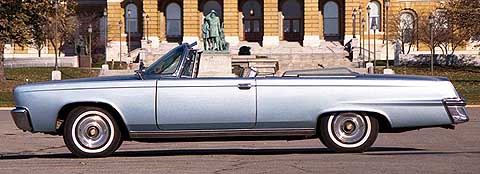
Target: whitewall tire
{"x": 348, "y": 132}
{"x": 91, "y": 132}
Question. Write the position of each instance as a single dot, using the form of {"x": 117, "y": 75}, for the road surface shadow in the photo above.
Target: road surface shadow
{"x": 149, "y": 153}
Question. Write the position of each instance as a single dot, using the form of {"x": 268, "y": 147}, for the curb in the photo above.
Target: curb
{"x": 6, "y": 108}
{"x": 473, "y": 106}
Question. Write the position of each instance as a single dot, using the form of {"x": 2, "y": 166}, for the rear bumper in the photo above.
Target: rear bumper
{"x": 21, "y": 117}
{"x": 456, "y": 109}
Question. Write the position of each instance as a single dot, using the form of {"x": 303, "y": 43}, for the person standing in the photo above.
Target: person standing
{"x": 205, "y": 35}
{"x": 214, "y": 25}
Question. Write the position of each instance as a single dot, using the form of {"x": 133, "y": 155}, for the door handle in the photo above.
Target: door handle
{"x": 244, "y": 86}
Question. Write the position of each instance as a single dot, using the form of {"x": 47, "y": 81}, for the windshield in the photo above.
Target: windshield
{"x": 167, "y": 64}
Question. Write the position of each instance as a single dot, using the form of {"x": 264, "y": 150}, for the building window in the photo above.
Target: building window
{"x": 375, "y": 17}
{"x": 330, "y": 19}
{"x": 407, "y": 26}
{"x": 132, "y": 19}
{"x": 174, "y": 20}
{"x": 292, "y": 13}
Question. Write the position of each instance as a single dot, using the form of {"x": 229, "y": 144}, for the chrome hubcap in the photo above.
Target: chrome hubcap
{"x": 93, "y": 131}
{"x": 349, "y": 128}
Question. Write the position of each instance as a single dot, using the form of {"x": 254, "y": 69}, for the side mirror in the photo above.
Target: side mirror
{"x": 141, "y": 67}
{"x": 141, "y": 70}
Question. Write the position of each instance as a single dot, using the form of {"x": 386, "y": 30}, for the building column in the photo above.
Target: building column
{"x": 270, "y": 23}
{"x": 191, "y": 21}
{"x": 311, "y": 23}
{"x": 230, "y": 15}
{"x": 320, "y": 26}
{"x": 115, "y": 34}
{"x": 162, "y": 31}
{"x": 150, "y": 7}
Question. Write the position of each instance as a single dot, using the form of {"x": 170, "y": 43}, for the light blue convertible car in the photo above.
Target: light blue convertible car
{"x": 168, "y": 102}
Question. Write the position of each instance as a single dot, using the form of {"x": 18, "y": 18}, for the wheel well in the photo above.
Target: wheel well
{"x": 383, "y": 123}
{"x": 62, "y": 115}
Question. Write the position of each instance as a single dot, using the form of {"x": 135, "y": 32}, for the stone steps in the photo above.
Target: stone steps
{"x": 286, "y": 56}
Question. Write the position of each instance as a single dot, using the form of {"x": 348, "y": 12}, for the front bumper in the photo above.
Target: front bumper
{"x": 456, "y": 110}
{"x": 21, "y": 117}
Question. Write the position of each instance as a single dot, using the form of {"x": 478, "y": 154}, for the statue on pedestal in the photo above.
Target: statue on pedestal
{"x": 81, "y": 48}
{"x": 212, "y": 33}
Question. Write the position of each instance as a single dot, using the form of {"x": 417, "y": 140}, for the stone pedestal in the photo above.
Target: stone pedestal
{"x": 84, "y": 61}
{"x": 388, "y": 71}
{"x": 56, "y": 75}
{"x": 113, "y": 51}
{"x": 356, "y": 52}
{"x": 370, "y": 67}
{"x": 105, "y": 67}
{"x": 215, "y": 65}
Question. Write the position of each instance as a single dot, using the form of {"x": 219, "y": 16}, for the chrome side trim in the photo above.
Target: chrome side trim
{"x": 223, "y": 133}
{"x": 21, "y": 118}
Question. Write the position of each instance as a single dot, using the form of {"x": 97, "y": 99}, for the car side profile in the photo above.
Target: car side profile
{"x": 169, "y": 102}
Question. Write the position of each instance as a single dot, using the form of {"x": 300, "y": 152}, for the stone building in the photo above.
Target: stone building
{"x": 309, "y": 22}
{"x": 269, "y": 26}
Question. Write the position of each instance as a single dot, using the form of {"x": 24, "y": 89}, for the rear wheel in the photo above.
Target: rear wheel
{"x": 91, "y": 132}
{"x": 348, "y": 132}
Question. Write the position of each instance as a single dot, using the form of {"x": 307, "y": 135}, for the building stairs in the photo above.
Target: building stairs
{"x": 287, "y": 55}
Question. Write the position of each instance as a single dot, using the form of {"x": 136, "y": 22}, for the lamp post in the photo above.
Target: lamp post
{"x": 363, "y": 41}
{"x": 148, "y": 19}
{"x": 90, "y": 44}
{"x": 106, "y": 32}
{"x": 368, "y": 24}
{"x": 354, "y": 14}
{"x": 431, "y": 22}
{"x": 144, "y": 15}
{"x": 387, "y": 5}
{"x": 120, "y": 53}
{"x": 55, "y": 33}
{"x": 360, "y": 34}
{"x": 129, "y": 13}
{"x": 374, "y": 28}
{"x": 56, "y": 74}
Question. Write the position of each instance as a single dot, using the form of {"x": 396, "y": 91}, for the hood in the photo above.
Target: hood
{"x": 83, "y": 83}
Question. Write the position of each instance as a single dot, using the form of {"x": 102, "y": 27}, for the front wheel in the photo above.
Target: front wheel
{"x": 91, "y": 132}
{"x": 348, "y": 132}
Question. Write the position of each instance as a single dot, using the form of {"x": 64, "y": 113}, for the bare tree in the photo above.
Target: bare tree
{"x": 61, "y": 19}
{"x": 14, "y": 19}
{"x": 403, "y": 30}
{"x": 39, "y": 23}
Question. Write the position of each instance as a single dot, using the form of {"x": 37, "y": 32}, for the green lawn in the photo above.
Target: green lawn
{"x": 18, "y": 76}
{"x": 465, "y": 79}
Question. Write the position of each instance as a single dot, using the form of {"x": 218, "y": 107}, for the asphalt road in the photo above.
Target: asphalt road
{"x": 433, "y": 150}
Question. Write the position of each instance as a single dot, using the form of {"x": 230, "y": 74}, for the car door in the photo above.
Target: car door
{"x": 206, "y": 103}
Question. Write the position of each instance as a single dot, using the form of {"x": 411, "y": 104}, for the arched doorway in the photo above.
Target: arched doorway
{"x": 292, "y": 11}
{"x": 331, "y": 21}
{"x": 173, "y": 16}
{"x": 252, "y": 11}
{"x": 210, "y": 5}
{"x": 133, "y": 23}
